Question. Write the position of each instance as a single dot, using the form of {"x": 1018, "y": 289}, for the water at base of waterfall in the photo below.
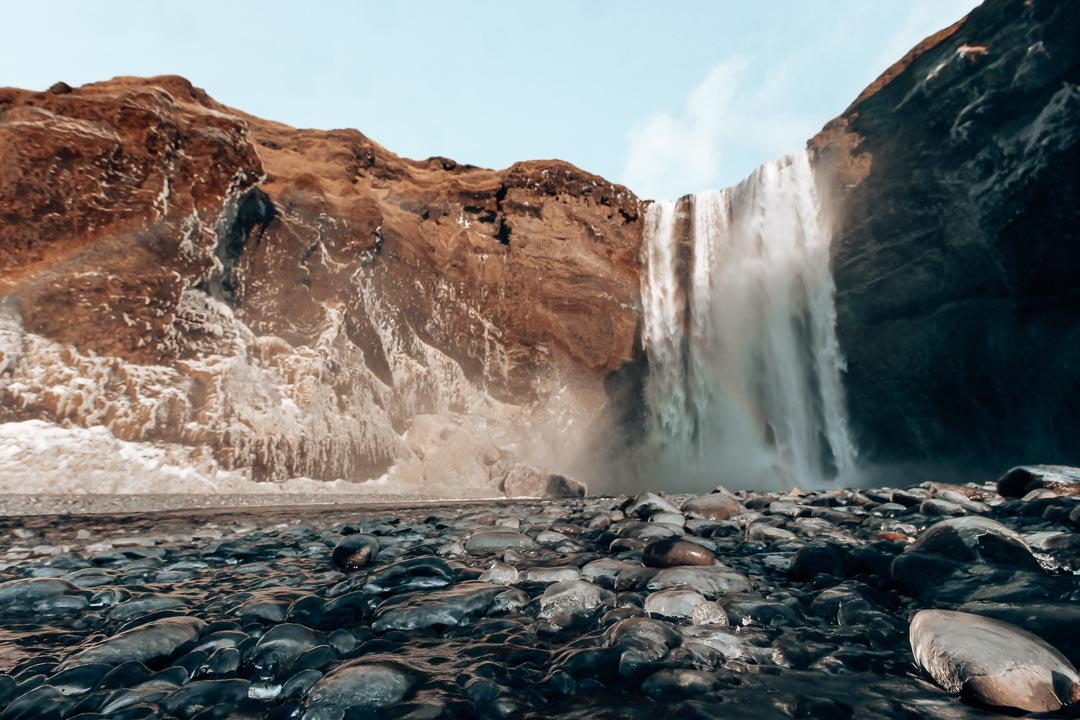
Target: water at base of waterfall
{"x": 744, "y": 385}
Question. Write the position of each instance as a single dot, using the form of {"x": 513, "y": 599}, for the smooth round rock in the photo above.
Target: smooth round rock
{"x": 709, "y": 613}
{"x": 570, "y": 597}
{"x": 456, "y": 605}
{"x": 714, "y": 506}
{"x": 355, "y": 551}
{"x": 672, "y": 552}
{"x": 495, "y": 541}
{"x": 500, "y": 574}
{"x": 281, "y": 645}
{"x": 718, "y": 638}
{"x": 967, "y": 539}
{"x": 1019, "y": 481}
{"x": 39, "y": 594}
{"x": 938, "y": 507}
{"x": 144, "y": 643}
{"x": 419, "y": 573}
{"x": 674, "y": 603}
{"x": 1057, "y": 623}
{"x": 606, "y": 569}
{"x": 647, "y": 504}
{"x": 551, "y": 575}
{"x": 768, "y": 533}
{"x": 356, "y": 687}
{"x": 678, "y": 683}
{"x": 991, "y": 662}
{"x": 712, "y": 582}
{"x": 818, "y": 558}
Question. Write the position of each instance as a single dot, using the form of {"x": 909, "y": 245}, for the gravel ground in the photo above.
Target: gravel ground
{"x": 885, "y": 603}
{"x": 21, "y": 505}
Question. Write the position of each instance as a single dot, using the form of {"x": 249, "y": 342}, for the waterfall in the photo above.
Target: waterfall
{"x": 744, "y": 381}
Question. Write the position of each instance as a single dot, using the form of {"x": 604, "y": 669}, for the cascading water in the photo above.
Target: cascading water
{"x": 744, "y": 366}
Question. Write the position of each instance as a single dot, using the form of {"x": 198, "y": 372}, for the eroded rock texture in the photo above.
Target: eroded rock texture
{"x": 307, "y": 303}
{"x": 181, "y": 272}
{"x": 956, "y": 258}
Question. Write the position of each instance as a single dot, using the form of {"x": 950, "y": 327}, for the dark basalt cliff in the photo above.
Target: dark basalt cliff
{"x": 956, "y": 260}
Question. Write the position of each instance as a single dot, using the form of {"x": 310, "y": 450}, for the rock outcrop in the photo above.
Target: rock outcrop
{"x": 183, "y": 273}
{"x": 957, "y": 202}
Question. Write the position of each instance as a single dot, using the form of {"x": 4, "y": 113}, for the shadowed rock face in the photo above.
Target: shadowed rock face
{"x": 957, "y": 200}
{"x": 179, "y": 271}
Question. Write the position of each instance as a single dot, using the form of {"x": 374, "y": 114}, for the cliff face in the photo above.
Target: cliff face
{"x": 957, "y": 200}
{"x": 303, "y": 302}
{"x": 307, "y": 303}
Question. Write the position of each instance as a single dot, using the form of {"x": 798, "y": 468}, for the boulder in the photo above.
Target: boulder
{"x": 967, "y": 539}
{"x": 719, "y": 505}
{"x": 672, "y": 552}
{"x": 523, "y": 480}
{"x": 992, "y": 663}
{"x": 1020, "y": 481}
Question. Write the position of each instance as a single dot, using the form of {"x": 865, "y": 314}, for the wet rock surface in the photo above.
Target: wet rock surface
{"x": 773, "y": 606}
{"x": 955, "y": 194}
{"x": 992, "y": 662}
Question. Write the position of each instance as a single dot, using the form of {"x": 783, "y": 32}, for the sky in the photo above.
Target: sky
{"x": 667, "y": 98}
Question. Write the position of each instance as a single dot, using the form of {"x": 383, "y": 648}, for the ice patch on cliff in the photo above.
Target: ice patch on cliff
{"x": 237, "y": 408}
{"x": 38, "y": 457}
{"x": 42, "y": 457}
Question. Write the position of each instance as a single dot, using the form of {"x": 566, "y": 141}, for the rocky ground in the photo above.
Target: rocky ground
{"x": 937, "y": 601}
{"x": 206, "y": 503}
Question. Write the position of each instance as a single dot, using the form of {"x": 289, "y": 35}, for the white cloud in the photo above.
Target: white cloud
{"x": 666, "y": 149}
{"x": 724, "y": 119}
{"x": 744, "y": 113}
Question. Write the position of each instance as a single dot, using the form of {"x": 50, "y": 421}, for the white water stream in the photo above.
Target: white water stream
{"x": 744, "y": 383}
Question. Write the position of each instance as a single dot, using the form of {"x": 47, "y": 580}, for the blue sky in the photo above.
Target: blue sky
{"x": 668, "y": 98}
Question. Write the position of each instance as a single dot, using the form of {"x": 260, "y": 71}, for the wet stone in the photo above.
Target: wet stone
{"x": 570, "y": 597}
{"x": 647, "y": 504}
{"x": 495, "y": 541}
{"x": 282, "y": 644}
{"x": 992, "y": 663}
{"x": 420, "y": 573}
{"x": 29, "y": 595}
{"x": 449, "y": 607}
{"x": 712, "y": 582}
{"x": 551, "y": 575}
{"x": 676, "y": 603}
{"x": 818, "y": 558}
{"x": 1022, "y": 480}
{"x": 672, "y": 552}
{"x": 359, "y": 686}
{"x": 976, "y": 538}
{"x": 938, "y": 507}
{"x": 355, "y": 551}
{"x": 568, "y": 608}
{"x": 500, "y": 574}
{"x": 714, "y": 506}
{"x": 144, "y": 643}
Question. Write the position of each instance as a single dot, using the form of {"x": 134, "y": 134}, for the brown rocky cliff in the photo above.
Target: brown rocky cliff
{"x": 292, "y": 298}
